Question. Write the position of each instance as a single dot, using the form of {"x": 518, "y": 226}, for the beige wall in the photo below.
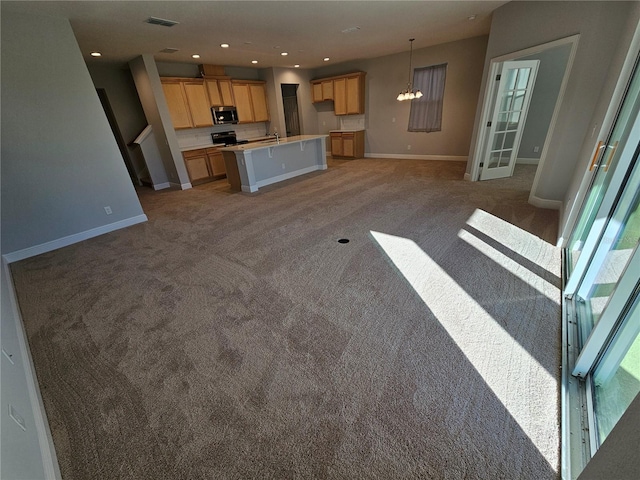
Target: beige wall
{"x": 386, "y": 119}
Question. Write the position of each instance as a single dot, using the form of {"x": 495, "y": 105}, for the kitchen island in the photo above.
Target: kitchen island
{"x": 254, "y": 165}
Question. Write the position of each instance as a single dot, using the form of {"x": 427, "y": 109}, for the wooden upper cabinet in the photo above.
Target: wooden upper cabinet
{"x": 226, "y": 92}
{"x": 355, "y": 95}
{"x": 316, "y": 91}
{"x": 322, "y": 90}
{"x": 215, "y": 98}
{"x": 259, "y": 103}
{"x": 346, "y": 91}
{"x": 243, "y": 103}
{"x": 219, "y": 90}
{"x": 327, "y": 90}
{"x": 188, "y": 102}
{"x": 340, "y": 96}
{"x": 198, "y": 102}
{"x": 251, "y": 101}
{"x": 177, "y": 103}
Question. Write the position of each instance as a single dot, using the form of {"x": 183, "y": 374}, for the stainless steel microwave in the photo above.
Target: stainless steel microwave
{"x": 224, "y": 115}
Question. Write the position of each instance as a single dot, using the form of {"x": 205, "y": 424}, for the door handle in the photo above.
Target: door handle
{"x": 596, "y": 154}
{"x": 613, "y": 152}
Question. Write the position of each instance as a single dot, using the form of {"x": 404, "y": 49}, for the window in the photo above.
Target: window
{"x": 426, "y": 112}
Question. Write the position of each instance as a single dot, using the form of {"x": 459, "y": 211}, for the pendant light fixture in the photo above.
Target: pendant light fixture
{"x": 409, "y": 94}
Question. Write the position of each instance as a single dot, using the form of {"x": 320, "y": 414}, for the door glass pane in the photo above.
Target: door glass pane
{"x": 616, "y": 379}
{"x": 497, "y": 141}
{"x": 523, "y": 78}
{"x": 609, "y": 156}
{"x": 612, "y": 256}
{"x": 512, "y": 73}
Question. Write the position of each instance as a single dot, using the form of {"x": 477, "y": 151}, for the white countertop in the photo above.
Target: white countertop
{"x": 347, "y": 131}
{"x": 272, "y": 143}
{"x": 201, "y": 145}
{"x": 198, "y": 146}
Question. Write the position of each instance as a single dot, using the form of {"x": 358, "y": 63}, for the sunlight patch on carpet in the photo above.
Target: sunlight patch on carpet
{"x": 508, "y": 369}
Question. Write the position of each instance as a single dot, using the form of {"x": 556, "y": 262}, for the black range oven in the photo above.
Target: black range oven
{"x": 226, "y": 138}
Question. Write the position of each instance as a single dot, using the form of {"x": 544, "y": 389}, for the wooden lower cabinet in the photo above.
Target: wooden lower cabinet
{"x": 216, "y": 162}
{"x": 204, "y": 165}
{"x": 347, "y": 144}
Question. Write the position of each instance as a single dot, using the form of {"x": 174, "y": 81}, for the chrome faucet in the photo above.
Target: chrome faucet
{"x": 275, "y": 134}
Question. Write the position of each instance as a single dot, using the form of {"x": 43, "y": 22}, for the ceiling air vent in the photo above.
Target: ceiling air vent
{"x": 169, "y": 50}
{"x": 161, "y": 21}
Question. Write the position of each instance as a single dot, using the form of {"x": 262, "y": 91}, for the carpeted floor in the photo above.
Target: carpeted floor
{"x": 231, "y": 336}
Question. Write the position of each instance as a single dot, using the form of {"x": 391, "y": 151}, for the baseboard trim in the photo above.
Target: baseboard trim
{"x": 545, "y": 203}
{"x": 467, "y": 177}
{"x": 181, "y": 186}
{"x": 527, "y": 161}
{"x": 161, "y": 186}
{"x": 71, "y": 239}
{"x": 45, "y": 440}
{"x": 445, "y": 158}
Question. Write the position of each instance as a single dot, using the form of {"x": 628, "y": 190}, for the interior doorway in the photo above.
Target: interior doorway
{"x": 555, "y": 59}
{"x": 122, "y": 145}
{"x": 290, "y": 104}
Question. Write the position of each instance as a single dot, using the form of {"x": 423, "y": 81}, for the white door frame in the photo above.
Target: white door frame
{"x": 487, "y": 110}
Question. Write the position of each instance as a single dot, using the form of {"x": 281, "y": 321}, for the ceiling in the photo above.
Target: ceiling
{"x": 261, "y": 30}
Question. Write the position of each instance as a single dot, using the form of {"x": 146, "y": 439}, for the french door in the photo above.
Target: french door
{"x": 516, "y": 81}
{"x": 602, "y": 288}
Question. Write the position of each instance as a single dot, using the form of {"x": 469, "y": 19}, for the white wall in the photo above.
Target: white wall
{"x": 60, "y": 162}
{"x": 520, "y": 25}
{"x": 551, "y": 71}
{"x": 26, "y": 453}
{"x": 123, "y": 98}
{"x": 603, "y": 117}
{"x": 275, "y": 77}
{"x": 147, "y": 80}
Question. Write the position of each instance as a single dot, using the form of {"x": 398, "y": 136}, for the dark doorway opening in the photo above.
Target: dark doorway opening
{"x": 290, "y": 104}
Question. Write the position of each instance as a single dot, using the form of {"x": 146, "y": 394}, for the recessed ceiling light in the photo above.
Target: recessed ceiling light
{"x": 254, "y": 61}
{"x": 195, "y": 55}
{"x": 96, "y": 54}
{"x": 326, "y": 59}
{"x": 224, "y": 45}
{"x": 284, "y": 54}
{"x": 296, "y": 66}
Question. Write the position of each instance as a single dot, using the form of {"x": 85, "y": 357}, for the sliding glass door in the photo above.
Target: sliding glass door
{"x": 602, "y": 286}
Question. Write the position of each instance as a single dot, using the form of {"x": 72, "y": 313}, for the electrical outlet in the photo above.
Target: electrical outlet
{"x": 107, "y": 209}
{"x": 13, "y": 413}
{"x": 283, "y": 167}
{"x": 393, "y": 120}
{"x": 408, "y": 147}
{"x": 536, "y": 149}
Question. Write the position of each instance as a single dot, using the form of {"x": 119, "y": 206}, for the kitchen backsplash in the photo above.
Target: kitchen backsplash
{"x": 197, "y": 137}
{"x": 352, "y": 122}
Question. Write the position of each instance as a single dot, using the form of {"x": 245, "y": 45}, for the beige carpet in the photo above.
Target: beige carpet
{"x": 233, "y": 337}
